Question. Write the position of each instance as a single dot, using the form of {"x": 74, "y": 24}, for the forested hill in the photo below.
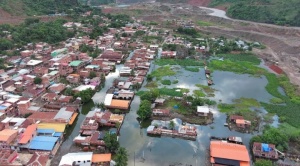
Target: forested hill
{"x": 281, "y": 12}
{"x": 37, "y": 7}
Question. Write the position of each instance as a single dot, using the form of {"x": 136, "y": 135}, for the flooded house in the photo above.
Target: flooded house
{"x": 266, "y": 151}
{"x": 226, "y": 153}
{"x": 161, "y": 112}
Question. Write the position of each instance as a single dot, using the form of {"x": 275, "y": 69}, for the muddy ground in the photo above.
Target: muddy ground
{"x": 283, "y": 44}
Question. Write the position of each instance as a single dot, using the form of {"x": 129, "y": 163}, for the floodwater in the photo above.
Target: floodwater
{"x": 147, "y": 151}
{"x": 152, "y": 151}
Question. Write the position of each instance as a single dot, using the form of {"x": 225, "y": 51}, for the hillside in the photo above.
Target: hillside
{"x": 33, "y": 7}
{"x": 266, "y": 11}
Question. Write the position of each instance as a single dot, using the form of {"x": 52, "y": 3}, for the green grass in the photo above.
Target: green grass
{"x": 192, "y": 69}
{"x": 241, "y": 67}
{"x": 207, "y": 89}
{"x": 181, "y": 62}
{"x": 276, "y": 100}
{"x": 204, "y": 23}
{"x": 239, "y": 105}
{"x": 162, "y": 72}
{"x": 245, "y": 57}
{"x": 152, "y": 84}
{"x": 166, "y": 82}
{"x": 199, "y": 93}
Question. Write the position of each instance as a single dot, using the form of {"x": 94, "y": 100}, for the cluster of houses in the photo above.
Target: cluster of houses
{"x": 90, "y": 136}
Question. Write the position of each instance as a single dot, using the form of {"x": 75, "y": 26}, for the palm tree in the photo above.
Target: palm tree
{"x": 121, "y": 157}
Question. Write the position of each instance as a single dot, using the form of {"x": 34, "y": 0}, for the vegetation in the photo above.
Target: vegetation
{"x": 101, "y": 2}
{"x": 121, "y": 157}
{"x": 181, "y": 62}
{"x": 267, "y": 11}
{"x": 276, "y": 100}
{"x": 192, "y": 69}
{"x": 207, "y": 89}
{"x": 242, "y": 104}
{"x": 163, "y": 71}
{"x": 69, "y": 92}
{"x": 92, "y": 74}
{"x": 175, "y": 82}
{"x": 144, "y": 111}
{"x": 111, "y": 142}
{"x": 32, "y": 30}
{"x": 37, "y": 80}
{"x": 204, "y": 23}
{"x": 199, "y": 93}
{"x": 32, "y": 7}
{"x": 263, "y": 162}
{"x": 85, "y": 95}
{"x": 166, "y": 82}
{"x": 152, "y": 84}
{"x": 188, "y": 31}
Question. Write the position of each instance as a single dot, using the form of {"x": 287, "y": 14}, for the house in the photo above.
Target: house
{"x": 233, "y": 118}
{"x": 73, "y": 78}
{"x": 101, "y": 159}
{"x": 168, "y": 54}
{"x": 88, "y": 126}
{"x": 7, "y": 136}
{"x": 65, "y": 99}
{"x": 153, "y": 47}
{"x": 57, "y": 88}
{"x": 34, "y": 63}
{"x": 83, "y": 87}
{"x": 65, "y": 69}
{"x": 262, "y": 150}
{"x": 224, "y": 153}
{"x": 124, "y": 94}
{"x": 43, "y": 143}
{"x": 7, "y": 156}
{"x": 39, "y": 159}
{"x": 79, "y": 158}
{"x": 33, "y": 91}
{"x": 49, "y": 97}
{"x": 203, "y": 111}
{"x": 161, "y": 112}
{"x": 29, "y": 133}
{"x": 241, "y": 123}
{"x": 26, "y": 53}
{"x": 111, "y": 55}
{"x": 42, "y": 117}
{"x": 159, "y": 101}
{"x": 116, "y": 104}
{"x": 125, "y": 71}
{"x": 40, "y": 70}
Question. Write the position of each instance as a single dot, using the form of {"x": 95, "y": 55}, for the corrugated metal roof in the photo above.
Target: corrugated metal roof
{"x": 58, "y": 127}
{"x": 57, "y": 134}
{"x": 43, "y": 143}
{"x": 44, "y": 139}
{"x": 63, "y": 114}
{"x": 45, "y": 131}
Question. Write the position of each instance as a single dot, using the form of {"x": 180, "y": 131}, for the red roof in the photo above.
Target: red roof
{"x": 225, "y": 150}
{"x": 38, "y": 159}
{"x": 276, "y": 69}
{"x": 28, "y": 134}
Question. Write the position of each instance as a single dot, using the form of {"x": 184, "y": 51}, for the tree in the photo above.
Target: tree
{"x": 111, "y": 142}
{"x": 85, "y": 95}
{"x": 92, "y": 74}
{"x": 144, "y": 112}
{"x": 37, "y": 80}
{"x": 262, "y": 162}
{"x": 171, "y": 124}
{"x": 69, "y": 92}
{"x": 149, "y": 77}
{"x": 121, "y": 157}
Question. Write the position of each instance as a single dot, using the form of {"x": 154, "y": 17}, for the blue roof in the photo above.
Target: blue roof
{"x": 43, "y": 143}
{"x": 45, "y": 131}
{"x": 2, "y": 107}
{"x": 57, "y": 134}
{"x": 45, "y": 139}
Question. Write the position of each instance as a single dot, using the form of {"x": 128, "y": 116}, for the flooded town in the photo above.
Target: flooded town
{"x": 107, "y": 88}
